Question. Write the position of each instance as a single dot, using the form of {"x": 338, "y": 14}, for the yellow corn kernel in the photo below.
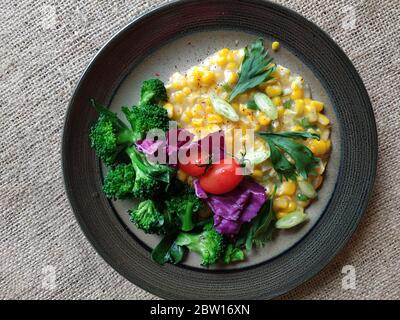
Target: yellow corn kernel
{"x": 277, "y": 101}
{"x": 176, "y": 85}
{"x": 214, "y": 118}
{"x": 263, "y": 120}
{"x": 209, "y": 108}
{"x": 230, "y": 57}
{"x": 243, "y": 109}
{"x": 295, "y": 85}
{"x": 193, "y": 81}
{"x": 223, "y": 52}
{"x": 281, "y": 214}
{"x": 186, "y": 116}
{"x": 311, "y": 112}
{"x": 197, "y": 72}
{"x": 197, "y": 110}
{"x": 297, "y": 128}
{"x": 257, "y": 173}
{"x": 299, "y": 107}
{"x": 213, "y": 127}
{"x": 318, "y": 148}
{"x": 273, "y": 91}
{"x": 182, "y": 176}
{"x": 319, "y": 106}
{"x": 208, "y": 78}
{"x": 170, "y": 109}
{"x": 281, "y": 111}
{"x": 186, "y": 91}
{"x": 232, "y": 66}
{"x": 221, "y": 61}
{"x": 197, "y": 122}
{"x": 233, "y": 78}
{"x": 178, "y": 97}
{"x": 323, "y": 120}
{"x": 291, "y": 206}
{"x": 287, "y": 188}
{"x": 297, "y": 93}
{"x": 280, "y": 203}
{"x": 275, "y": 45}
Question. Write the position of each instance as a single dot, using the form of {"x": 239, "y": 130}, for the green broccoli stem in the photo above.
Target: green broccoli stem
{"x": 138, "y": 160}
{"x": 127, "y": 136}
{"x": 189, "y": 240}
{"x": 187, "y": 217}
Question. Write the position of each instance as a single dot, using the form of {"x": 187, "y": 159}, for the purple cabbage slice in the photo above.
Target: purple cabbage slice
{"x": 236, "y": 207}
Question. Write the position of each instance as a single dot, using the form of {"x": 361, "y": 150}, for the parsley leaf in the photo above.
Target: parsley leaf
{"x": 252, "y": 105}
{"x": 254, "y": 69}
{"x": 288, "y": 104}
{"x": 227, "y": 87}
{"x": 259, "y": 230}
{"x": 304, "y": 160}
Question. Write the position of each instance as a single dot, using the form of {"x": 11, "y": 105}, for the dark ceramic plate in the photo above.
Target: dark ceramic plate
{"x": 151, "y": 43}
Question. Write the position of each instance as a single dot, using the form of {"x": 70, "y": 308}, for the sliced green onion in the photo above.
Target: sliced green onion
{"x": 307, "y": 189}
{"x": 224, "y": 108}
{"x": 302, "y": 197}
{"x": 257, "y": 157}
{"x": 291, "y": 220}
{"x": 265, "y": 104}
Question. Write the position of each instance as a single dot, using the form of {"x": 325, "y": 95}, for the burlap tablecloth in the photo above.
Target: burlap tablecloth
{"x": 45, "y": 45}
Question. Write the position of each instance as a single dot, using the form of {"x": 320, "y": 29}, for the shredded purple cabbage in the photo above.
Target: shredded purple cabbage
{"x": 180, "y": 142}
{"x": 236, "y": 207}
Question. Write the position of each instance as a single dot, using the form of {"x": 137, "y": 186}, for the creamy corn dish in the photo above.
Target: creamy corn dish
{"x": 288, "y": 107}
{"x": 253, "y": 155}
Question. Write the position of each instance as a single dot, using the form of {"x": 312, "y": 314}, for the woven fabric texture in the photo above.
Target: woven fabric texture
{"x": 44, "y": 47}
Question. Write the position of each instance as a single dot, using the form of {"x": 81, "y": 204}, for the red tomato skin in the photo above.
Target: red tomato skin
{"x": 193, "y": 168}
{"x": 221, "y": 177}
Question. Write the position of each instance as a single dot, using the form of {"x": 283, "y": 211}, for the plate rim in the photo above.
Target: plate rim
{"x": 156, "y": 11}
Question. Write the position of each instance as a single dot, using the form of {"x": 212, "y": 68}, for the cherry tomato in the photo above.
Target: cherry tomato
{"x": 222, "y": 177}
{"x": 194, "y": 168}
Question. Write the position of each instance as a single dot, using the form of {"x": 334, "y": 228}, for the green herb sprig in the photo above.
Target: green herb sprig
{"x": 254, "y": 70}
{"x": 303, "y": 163}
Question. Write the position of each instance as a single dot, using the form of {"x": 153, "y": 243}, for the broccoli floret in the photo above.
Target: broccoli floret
{"x": 147, "y": 217}
{"x": 150, "y": 178}
{"x": 119, "y": 182}
{"x": 139, "y": 179}
{"x": 153, "y": 91}
{"x": 109, "y": 135}
{"x": 209, "y": 244}
{"x": 233, "y": 254}
{"x": 182, "y": 206}
{"x": 145, "y": 117}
